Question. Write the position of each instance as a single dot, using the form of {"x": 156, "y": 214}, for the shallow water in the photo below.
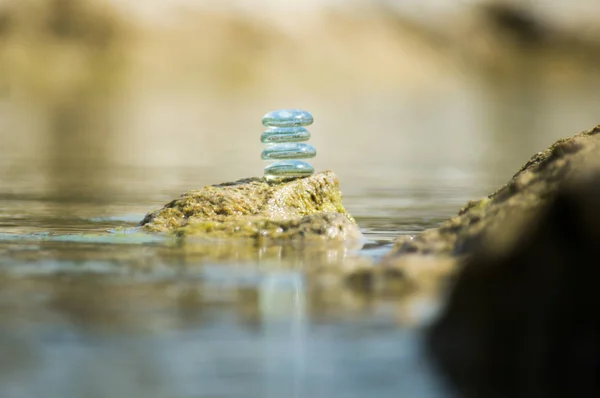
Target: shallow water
{"x": 150, "y": 318}
{"x": 83, "y": 293}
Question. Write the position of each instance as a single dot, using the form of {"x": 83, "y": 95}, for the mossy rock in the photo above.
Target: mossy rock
{"x": 538, "y": 292}
{"x": 302, "y": 208}
{"x": 500, "y": 215}
{"x": 423, "y": 263}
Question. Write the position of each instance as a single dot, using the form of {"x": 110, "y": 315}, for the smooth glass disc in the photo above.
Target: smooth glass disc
{"x": 274, "y": 135}
{"x": 290, "y": 150}
{"x": 287, "y": 118}
{"x": 288, "y": 169}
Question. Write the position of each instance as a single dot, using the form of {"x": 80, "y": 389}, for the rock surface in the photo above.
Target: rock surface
{"x": 303, "y": 208}
{"x": 425, "y": 261}
{"x": 524, "y": 322}
{"x": 504, "y": 210}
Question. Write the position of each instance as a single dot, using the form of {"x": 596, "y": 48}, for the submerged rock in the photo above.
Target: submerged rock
{"x": 523, "y": 322}
{"x": 303, "y": 208}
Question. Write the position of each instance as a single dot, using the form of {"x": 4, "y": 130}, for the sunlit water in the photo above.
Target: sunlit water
{"x": 81, "y": 293}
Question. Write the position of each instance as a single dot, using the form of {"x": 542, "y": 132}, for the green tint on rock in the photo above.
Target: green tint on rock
{"x": 254, "y": 208}
{"x": 498, "y": 219}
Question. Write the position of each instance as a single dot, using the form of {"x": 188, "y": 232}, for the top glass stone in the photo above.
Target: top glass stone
{"x": 287, "y": 118}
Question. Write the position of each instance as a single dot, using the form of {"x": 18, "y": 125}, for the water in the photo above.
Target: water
{"x": 147, "y": 317}
{"x": 81, "y": 294}
{"x": 91, "y": 141}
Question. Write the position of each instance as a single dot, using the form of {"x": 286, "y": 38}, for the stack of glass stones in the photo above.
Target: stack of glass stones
{"x": 284, "y": 138}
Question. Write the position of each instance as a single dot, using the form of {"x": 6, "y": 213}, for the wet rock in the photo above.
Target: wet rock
{"x": 523, "y": 322}
{"x": 505, "y": 210}
{"x": 304, "y": 208}
{"x": 407, "y": 275}
{"x": 426, "y": 261}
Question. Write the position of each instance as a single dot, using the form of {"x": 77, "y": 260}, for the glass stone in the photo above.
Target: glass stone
{"x": 291, "y": 150}
{"x": 288, "y": 169}
{"x": 284, "y": 134}
{"x": 287, "y": 118}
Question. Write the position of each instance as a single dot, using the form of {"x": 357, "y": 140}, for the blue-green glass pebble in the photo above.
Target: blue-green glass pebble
{"x": 287, "y": 118}
{"x": 288, "y": 169}
{"x": 275, "y": 135}
{"x": 289, "y": 150}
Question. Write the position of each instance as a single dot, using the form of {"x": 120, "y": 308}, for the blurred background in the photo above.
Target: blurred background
{"x": 114, "y": 100}
{"x": 110, "y": 108}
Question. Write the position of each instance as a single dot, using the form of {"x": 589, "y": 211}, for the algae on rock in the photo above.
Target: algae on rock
{"x": 424, "y": 261}
{"x": 301, "y": 208}
{"x": 502, "y": 213}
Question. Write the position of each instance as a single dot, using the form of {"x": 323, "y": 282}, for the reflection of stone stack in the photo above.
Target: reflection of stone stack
{"x": 283, "y": 137}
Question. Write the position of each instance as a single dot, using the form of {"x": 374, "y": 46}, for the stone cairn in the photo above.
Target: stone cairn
{"x": 284, "y": 138}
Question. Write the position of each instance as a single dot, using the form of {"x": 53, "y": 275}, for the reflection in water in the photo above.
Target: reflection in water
{"x": 276, "y": 326}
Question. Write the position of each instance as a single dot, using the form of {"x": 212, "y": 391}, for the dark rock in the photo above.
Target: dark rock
{"x": 524, "y": 322}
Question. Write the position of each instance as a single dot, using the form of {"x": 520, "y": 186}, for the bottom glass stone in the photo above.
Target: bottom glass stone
{"x": 288, "y": 169}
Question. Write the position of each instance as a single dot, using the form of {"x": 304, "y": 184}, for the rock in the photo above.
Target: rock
{"x": 425, "y": 261}
{"x": 513, "y": 204}
{"x": 524, "y": 322}
{"x": 304, "y": 208}
{"x": 407, "y": 275}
